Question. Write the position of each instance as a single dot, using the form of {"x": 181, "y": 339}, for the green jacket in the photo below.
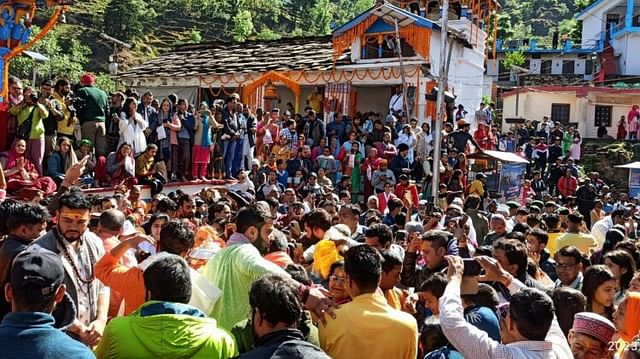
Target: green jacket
{"x": 96, "y": 104}
{"x": 165, "y": 330}
{"x": 235, "y": 268}
{"x": 37, "y": 125}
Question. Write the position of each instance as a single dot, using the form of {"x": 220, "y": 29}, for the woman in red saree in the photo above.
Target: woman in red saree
{"x": 369, "y": 165}
{"x": 21, "y": 173}
{"x": 121, "y": 166}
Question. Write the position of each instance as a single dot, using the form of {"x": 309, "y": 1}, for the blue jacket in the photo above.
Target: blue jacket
{"x": 284, "y": 344}
{"x": 55, "y": 165}
{"x": 32, "y": 335}
{"x": 188, "y": 126}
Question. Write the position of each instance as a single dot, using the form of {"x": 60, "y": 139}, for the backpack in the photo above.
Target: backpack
{"x": 23, "y": 130}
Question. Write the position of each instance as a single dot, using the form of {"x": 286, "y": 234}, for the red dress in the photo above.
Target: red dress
{"x": 369, "y": 164}
{"x": 16, "y": 183}
{"x": 622, "y": 131}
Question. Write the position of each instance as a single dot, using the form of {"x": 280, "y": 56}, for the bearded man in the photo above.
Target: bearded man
{"x": 241, "y": 262}
{"x": 79, "y": 250}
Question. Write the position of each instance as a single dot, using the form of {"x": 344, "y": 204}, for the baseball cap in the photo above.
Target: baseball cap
{"x": 88, "y": 79}
{"x": 37, "y": 270}
{"x": 513, "y": 204}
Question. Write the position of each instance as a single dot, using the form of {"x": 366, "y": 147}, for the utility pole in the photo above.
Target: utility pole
{"x": 442, "y": 112}
{"x": 404, "y": 85}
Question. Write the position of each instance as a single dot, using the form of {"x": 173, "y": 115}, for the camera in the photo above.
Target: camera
{"x": 76, "y": 104}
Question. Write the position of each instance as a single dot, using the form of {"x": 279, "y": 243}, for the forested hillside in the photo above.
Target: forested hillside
{"x": 154, "y": 26}
{"x": 523, "y": 19}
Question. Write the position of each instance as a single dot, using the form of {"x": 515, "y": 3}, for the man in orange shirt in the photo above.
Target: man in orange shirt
{"x": 175, "y": 238}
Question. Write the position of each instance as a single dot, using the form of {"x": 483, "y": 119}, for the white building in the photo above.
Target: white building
{"x": 583, "y": 107}
{"x": 617, "y": 22}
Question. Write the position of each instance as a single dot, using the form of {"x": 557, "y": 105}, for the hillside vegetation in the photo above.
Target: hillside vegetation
{"x": 154, "y": 26}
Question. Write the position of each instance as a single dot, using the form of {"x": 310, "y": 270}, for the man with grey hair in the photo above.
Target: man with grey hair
{"x": 498, "y": 225}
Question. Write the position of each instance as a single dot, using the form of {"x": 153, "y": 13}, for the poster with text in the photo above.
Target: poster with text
{"x": 511, "y": 180}
{"x": 634, "y": 182}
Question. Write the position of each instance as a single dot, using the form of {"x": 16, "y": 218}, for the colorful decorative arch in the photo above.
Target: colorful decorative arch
{"x": 273, "y": 76}
{"x": 16, "y": 17}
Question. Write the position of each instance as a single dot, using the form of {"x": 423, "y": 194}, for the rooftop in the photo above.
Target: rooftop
{"x": 580, "y": 91}
{"x": 219, "y": 58}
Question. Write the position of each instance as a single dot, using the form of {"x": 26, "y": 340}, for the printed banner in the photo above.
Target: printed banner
{"x": 634, "y": 182}
{"x": 511, "y": 180}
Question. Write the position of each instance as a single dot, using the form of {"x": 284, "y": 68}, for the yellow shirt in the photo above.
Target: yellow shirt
{"x": 584, "y": 242}
{"x": 315, "y": 101}
{"x": 476, "y": 188}
{"x": 552, "y": 245}
{"x": 356, "y": 331}
{"x": 395, "y": 298}
{"x": 67, "y": 124}
{"x": 281, "y": 152}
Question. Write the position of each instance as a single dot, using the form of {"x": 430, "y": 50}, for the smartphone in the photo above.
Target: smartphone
{"x": 471, "y": 267}
{"x": 401, "y": 236}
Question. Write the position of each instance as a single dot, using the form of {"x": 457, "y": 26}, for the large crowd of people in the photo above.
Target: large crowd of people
{"x": 325, "y": 240}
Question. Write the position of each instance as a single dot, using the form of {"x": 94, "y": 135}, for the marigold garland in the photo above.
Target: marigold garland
{"x": 20, "y": 48}
{"x": 342, "y": 41}
{"x": 274, "y": 77}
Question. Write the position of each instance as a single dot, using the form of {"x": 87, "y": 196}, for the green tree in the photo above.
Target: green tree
{"x": 242, "y": 25}
{"x": 514, "y": 58}
{"x": 126, "y": 19}
{"x": 67, "y": 56}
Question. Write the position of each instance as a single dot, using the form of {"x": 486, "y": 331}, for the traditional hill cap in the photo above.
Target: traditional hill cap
{"x": 85, "y": 141}
{"x": 594, "y": 325}
{"x": 413, "y": 227}
{"x": 88, "y": 79}
{"x": 575, "y": 218}
{"x": 550, "y": 204}
{"x": 563, "y": 211}
{"x": 503, "y": 210}
{"x": 37, "y": 269}
{"x": 513, "y": 204}
{"x": 403, "y": 177}
{"x": 313, "y": 174}
{"x": 536, "y": 207}
{"x": 423, "y": 202}
{"x": 538, "y": 203}
{"x": 454, "y": 206}
{"x": 523, "y": 210}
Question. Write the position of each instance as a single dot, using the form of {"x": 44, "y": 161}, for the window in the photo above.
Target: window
{"x": 371, "y": 50}
{"x": 588, "y": 67}
{"x": 568, "y": 67}
{"x": 545, "y": 67}
{"x": 560, "y": 113}
{"x": 603, "y": 116}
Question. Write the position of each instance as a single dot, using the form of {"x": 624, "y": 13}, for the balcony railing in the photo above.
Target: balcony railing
{"x": 531, "y": 45}
{"x": 621, "y": 26}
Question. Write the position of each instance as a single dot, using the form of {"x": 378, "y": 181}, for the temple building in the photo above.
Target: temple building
{"x": 356, "y": 68}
